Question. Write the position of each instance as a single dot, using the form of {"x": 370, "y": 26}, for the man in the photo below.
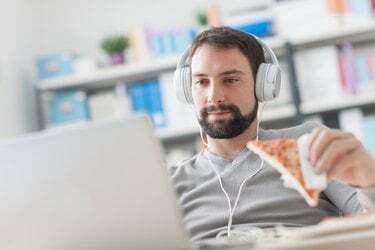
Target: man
{"x": 227, "y": 188}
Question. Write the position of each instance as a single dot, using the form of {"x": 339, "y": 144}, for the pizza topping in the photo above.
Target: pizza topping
{"x": 283, "y": 154}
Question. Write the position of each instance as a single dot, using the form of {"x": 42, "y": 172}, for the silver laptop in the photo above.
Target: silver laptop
{"x": 103, "y": 186}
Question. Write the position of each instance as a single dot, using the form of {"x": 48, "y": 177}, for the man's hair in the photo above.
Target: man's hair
{"x": 227, "y": 38}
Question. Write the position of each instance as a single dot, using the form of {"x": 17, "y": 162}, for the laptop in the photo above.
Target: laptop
{"x": 100, "y": 186}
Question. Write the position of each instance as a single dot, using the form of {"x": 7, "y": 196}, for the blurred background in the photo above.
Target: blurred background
{"x": 67, "y": 64}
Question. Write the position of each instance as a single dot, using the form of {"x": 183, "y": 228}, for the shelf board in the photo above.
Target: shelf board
{"x": 335, "y": 104}
{"x": 108, "y": 76}
{"x": 350, "y": 31}
{"x": 167, "y": 134}
{"x": 270, "y": 114}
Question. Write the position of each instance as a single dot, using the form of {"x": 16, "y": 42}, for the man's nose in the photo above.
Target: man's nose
{"x": 215, "y": 94}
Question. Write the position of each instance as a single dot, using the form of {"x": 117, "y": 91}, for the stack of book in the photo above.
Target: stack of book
{"x": 363, "y": 8}
{"x": 357, "y": 68}
{"x": 331, "y": 72}
{"x": 146, "y": 98}
{"x": 154, "y": 97}
{"x": 148, "y": 44}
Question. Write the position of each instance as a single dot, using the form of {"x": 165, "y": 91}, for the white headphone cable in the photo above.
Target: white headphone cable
{"x": 231, "y": 210}
{"x": 262, "y": 105}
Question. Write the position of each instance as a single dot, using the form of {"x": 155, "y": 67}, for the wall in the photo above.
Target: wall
{"x": 17, "y": 109}
{"x": 79, "y": 25}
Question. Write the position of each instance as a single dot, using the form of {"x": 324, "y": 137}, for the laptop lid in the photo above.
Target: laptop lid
{"x": 102, "y": 186}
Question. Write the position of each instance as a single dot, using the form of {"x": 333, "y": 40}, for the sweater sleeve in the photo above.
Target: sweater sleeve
{"x": 347, "y": 199}
{"x": 366, "y": 197}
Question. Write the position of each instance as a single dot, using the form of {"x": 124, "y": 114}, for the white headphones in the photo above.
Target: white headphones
{"x": 267, "y": 82}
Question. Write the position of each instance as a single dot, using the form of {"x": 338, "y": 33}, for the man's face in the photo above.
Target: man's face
{"x": 223, "y": 91}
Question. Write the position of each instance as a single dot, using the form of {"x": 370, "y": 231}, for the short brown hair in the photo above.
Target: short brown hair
{"x": 225, "y": 37}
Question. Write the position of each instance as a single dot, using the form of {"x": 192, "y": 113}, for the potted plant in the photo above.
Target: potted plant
{"x": 115, "y": 47}
{"x": 201, "y": 18}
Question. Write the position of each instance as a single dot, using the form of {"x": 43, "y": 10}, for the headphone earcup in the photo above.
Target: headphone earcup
{"x": 268, "y": 81}
{"x": 182, "y": 84}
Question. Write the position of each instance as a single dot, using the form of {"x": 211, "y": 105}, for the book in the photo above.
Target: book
{"x": 54, "y": 65}
{"x": 337, "y": 7}
{"x": 154, "y": 103}
{"x": 361, "y": 125}
{"x": 66, "y": 107}
{"x": 348, "y": 69}
{"x": 139, "y": 47}
{"x": 178, "y": 116}
{"x": 182, "y": 38}
{"x": 137, "y": 96}
{"x": 360, "y": 8}
{"x": 146, "y": 98}
{"x": 318, "y": 78}
{"x": 362, "y": 71}
{"x": 351, "y": 120}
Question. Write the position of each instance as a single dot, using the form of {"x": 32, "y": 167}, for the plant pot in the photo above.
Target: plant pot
{"x": 117, "y": 58}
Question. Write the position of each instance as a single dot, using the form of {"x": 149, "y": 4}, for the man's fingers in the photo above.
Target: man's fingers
{"x": 321, "y": 138}
{"x": 334, "y": 151}
{"x": 345, "y": 169}
{"x": 345, "y": 162}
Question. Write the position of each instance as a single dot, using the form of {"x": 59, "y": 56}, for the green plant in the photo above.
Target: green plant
{"x": 201, "y": 17}
{"x": 115, "y": 44}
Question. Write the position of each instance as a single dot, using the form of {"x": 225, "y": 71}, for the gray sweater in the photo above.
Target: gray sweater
{"x": 264, "y": 201}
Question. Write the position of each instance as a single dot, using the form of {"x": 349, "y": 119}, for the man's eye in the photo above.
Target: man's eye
{"x": 201, "y": 82}
{"x": 231, "y": 80}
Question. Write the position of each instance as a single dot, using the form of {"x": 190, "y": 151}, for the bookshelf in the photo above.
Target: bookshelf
{"x": 357, "y": 33}
{"x": 284, "y": 47}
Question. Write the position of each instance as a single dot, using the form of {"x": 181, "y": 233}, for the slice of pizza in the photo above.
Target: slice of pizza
{"x": 284, "y": 156}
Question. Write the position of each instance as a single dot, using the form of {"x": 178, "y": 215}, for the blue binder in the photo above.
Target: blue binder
{"x": 67, "y": 107}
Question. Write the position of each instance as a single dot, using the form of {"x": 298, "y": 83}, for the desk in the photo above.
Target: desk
{"x": 355, "y": 232}
{"x": 348, "y": 241}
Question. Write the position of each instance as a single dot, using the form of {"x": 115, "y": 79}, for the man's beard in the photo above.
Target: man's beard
{"x": 227, "y": 128}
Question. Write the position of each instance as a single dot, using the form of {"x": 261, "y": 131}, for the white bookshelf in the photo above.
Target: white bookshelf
{"x": 331, "y": 104}
{"x": 105, "y": 77}
{"x": 109, "y": 76}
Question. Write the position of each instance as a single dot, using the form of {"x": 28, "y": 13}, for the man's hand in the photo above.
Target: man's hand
{"x": 342, "y": 156}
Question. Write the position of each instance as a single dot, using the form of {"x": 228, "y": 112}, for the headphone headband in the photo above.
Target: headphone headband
{"x": 266, "y": 49}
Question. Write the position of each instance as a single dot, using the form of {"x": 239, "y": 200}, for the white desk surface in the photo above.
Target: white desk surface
{"x": 357, "y": 232}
